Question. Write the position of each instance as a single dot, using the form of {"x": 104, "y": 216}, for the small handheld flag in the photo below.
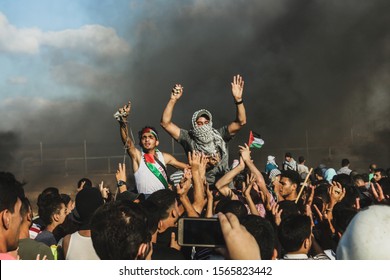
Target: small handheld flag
{"x": 255, "y": 140}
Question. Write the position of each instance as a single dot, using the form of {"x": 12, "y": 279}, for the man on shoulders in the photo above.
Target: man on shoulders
{"x": 203, "y": 137}
{"x": 149, "y": 165}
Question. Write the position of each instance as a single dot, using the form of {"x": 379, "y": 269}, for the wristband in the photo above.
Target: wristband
{"x": 120, "y": 183}
{"x": 239, "y": 102}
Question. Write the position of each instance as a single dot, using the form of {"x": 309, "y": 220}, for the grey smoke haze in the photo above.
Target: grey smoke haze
{"x": 320, "y": 66}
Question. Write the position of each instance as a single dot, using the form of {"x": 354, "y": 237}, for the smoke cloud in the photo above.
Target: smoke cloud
{"x": 316, "y": 73}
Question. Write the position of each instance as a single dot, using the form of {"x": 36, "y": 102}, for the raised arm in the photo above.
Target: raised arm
{"x": 133, "y": 152}
{"x": 199, "y": 191}
{"x": 166, "y": 119}
{"x": 237, "y": 90}
{"x": 246, "y": 155}
{"x": 223, "y": 183}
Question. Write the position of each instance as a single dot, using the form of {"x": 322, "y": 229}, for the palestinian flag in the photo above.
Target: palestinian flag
{"x": 255, "y": 140}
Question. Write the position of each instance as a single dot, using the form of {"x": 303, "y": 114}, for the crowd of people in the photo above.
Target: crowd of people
{"x": 286, "y": 212}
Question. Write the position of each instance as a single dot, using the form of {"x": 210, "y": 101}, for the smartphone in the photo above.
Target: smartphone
{"x": 200, "y": 232}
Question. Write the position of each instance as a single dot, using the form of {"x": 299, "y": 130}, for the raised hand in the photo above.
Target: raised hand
{"x": 174, "y": 243}
{"x": 104, "y": 190}
{"x": 121, "y": 172}
{"x": 240, "y": 243}
{"x": 237, "y": 88}
{"x": 194, "y": 159}
{"x": 276, "y": 213}
{"x": 377, "y": 192}
{"x": 336, "y": 192}
{"x": 177, "y": 92}
{"x": 245, "y": 152}
{"x": 123, "y": 112}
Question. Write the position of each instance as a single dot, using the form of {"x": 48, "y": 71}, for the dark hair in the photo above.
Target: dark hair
{"x": 342, "y": 216}
{"x": 289, "y": 208}
{"x": 318, "y": 172}
{"x": 344, "y": 162}
{"x": 10, "y": 191}
{"x": 372, "y": 166}
{"x": 235, "y": 207}
{"x": 49, "y": 205}
{"x": 142, "y": 132}
{"x": 381, "y": 170}
{"x": 165, "y": 199}
{"x": 288, "y": 155}
{"x": 118, "y": 229}
{"x": 293, "y": 231}
{"x": 343, "y": 179}
{"x": 263, "y": 232}
{"x": 88, "y": 183}
{"x": 293, "y": 176}
{"x": 65, "y": 198}
{"x": 301, "y": 159}
{"x": 153, "y": 214}
{"x": 26, "y": 207}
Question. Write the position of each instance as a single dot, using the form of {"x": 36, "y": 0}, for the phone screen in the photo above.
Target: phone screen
{"x": 200, "y": 232}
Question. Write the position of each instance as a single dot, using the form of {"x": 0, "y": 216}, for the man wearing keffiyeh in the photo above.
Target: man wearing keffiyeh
{"x": 149, "y": 165}
{"x": 202, "y": 136}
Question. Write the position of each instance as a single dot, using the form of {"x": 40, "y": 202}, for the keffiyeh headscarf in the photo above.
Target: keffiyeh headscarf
{"x": 207, "y": 139}
{"x": 271, "y": 159}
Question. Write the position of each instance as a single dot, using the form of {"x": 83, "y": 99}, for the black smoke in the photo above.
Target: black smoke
{"x": 316, "y": 72}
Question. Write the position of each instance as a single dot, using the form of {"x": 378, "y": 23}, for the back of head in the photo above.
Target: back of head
{"x": 318, "y": 171}
{"x": 344, "y": 162}
{"x": 342, "y": 216}
{"x": 87, "y": 201}
{"x": 50, "y": 191}
{"x": 293, "y": 231}
{"x": 343, "y": 179}
{"x": 10, "y": 191}
{"x": 153, "y": 214}
{"x": 165, "y": 199}
{"x": 367, "y": 235}
{"x": 235, "y": 207}
{"x": 118, "y": 229}
{"x": 263, "y": 232}
{"x": 25, "y": 208}
{"x": 289, "y": 208}
{"x": 301, "y": 159}
{"x": 49, "y": 205}
{"x": 84, "y": 183}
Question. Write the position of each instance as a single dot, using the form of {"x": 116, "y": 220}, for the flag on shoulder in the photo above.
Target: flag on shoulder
{"x": 255, "y": 140}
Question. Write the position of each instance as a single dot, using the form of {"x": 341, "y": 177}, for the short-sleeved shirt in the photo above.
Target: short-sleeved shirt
{"x": 212, "y": 175}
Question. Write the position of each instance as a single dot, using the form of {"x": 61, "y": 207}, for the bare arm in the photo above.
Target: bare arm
{"x": 245, "y": 154}
{"x": 182, "y": 190}
{"x": 171, "y": 160}
{"x": 210, "y": 202}
{"x": 199, "y": 191}
{"x": 247, "y": 194}
{"x": 223, "y": 183}
{"x": 166, "y": 118}
{"x": 133, "y": 152}
{"x": 240, "y": 120}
